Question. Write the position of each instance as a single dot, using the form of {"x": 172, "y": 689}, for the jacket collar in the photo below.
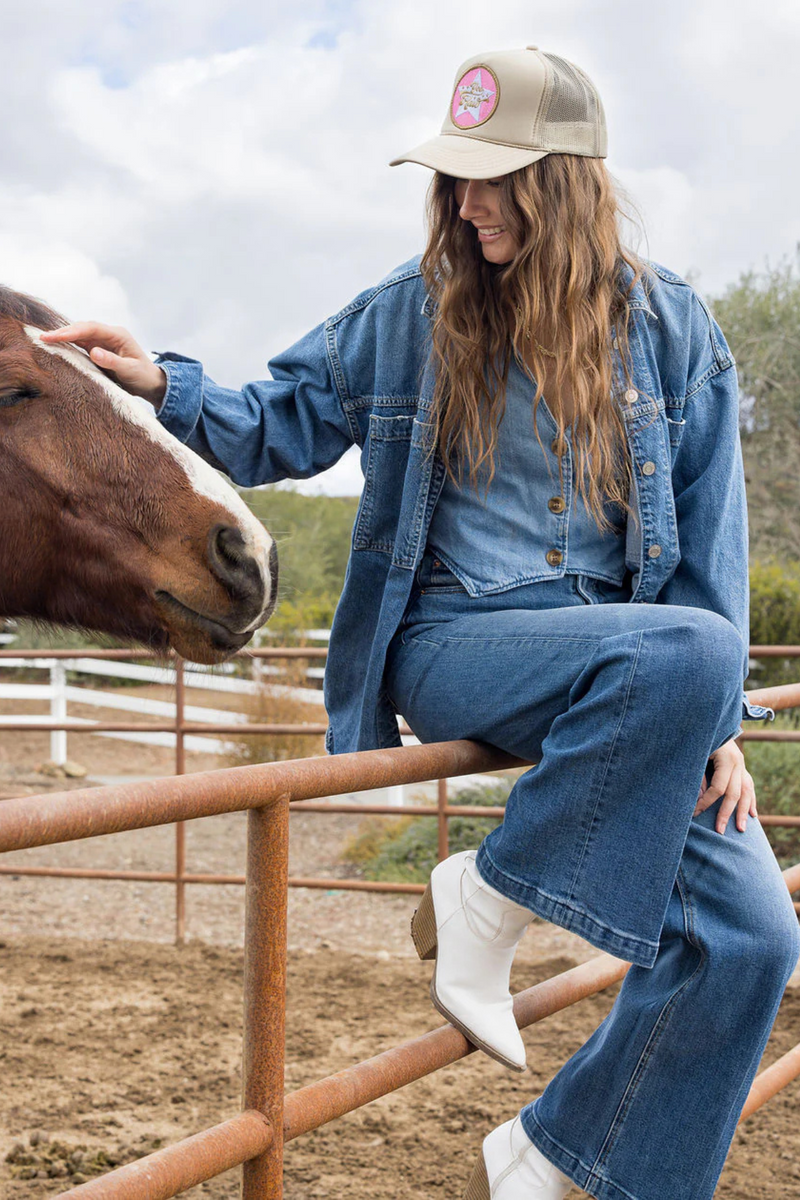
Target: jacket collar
{"x": 638, "y": 298}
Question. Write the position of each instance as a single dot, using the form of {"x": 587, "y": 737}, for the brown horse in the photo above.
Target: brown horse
{"x": 107, "y": 522}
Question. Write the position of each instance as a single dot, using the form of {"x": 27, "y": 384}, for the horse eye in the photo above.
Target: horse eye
{"x": 11, "y": 396}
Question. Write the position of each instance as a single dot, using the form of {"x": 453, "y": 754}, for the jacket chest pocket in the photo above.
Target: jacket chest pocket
{"x": 386, "y": 448}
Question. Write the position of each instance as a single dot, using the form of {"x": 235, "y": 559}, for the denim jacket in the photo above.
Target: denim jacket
{"x": 364, "y": 377}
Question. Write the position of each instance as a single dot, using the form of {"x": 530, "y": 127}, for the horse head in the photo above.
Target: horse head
{"x": 108, "y": 522}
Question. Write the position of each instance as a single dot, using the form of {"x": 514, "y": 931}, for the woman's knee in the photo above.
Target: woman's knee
{"x": 706, "y": 651}
{"x": 779, "y": 951}
{"x": 764, "y": 943}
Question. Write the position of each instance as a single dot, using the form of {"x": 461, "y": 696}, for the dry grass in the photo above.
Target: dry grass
{"x": 269, "y": 707}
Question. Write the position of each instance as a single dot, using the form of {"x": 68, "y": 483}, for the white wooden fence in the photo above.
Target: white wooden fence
{"x": 60, "y": 694}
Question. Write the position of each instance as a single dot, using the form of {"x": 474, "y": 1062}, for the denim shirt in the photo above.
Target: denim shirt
{"x": 521, "y": 529}
{"x": 364, "y": 377}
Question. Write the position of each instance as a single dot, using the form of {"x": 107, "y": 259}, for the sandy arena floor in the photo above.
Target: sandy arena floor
{"x": 114, "y": 1042}
{"x": 117, "y": 1047}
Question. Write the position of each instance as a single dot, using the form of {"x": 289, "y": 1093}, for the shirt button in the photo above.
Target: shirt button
{"x": 654, "y": 551}
{"x": 648, "y": 468}
{"x": 556, "y": 504}
{"x": 631, "y": 395}
{"x": 557, "y": 446}
{"x": 554, "y": 557}
{"x": 615, "y": 343}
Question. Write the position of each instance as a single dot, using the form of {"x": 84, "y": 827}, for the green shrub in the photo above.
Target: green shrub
{"x": 775, "y": 767}
{"x": 404, "y": 849}
{"x": 775, "y": 620}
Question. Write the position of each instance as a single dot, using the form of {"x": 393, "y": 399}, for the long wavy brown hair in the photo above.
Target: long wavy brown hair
{"x": 557, "y": 299}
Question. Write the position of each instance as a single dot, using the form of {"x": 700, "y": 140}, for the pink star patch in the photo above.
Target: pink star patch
{"x": 475, "y": 98}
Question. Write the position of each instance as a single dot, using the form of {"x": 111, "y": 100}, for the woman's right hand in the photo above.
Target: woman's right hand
{"x": 117, "y": 351}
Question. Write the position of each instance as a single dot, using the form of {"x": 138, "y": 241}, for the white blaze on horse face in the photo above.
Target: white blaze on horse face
{"x": 203, "y": 479}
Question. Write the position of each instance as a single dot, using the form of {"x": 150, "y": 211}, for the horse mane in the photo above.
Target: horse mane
{"x": 29, "y": 310}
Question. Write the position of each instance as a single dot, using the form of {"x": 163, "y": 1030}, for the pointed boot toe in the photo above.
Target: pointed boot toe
{"x": 472, "y": 932}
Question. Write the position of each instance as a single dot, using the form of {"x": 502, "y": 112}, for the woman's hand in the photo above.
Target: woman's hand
{"x": 732, "y": 780}
{"x": 116, "y": 350}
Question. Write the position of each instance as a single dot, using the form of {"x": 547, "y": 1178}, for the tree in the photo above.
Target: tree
{"x": 760, "y": 317}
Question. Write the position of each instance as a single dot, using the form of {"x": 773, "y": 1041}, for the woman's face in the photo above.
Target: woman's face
{"x": 478, "y": 202}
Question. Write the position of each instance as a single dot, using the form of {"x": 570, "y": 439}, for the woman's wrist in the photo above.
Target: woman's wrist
{"x": 155, "y": 391}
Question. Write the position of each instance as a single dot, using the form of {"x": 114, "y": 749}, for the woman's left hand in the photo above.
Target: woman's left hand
{"x": 732, "y": 780}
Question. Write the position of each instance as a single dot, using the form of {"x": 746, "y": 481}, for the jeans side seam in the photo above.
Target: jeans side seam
{"x": 657, "y": 1031}
{"x": 592, "y": 1178}
{"x": 574, "y": 881}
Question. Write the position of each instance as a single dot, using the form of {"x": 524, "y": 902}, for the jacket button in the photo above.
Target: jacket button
{"x": 556, "y": 504}
{"x": 558, "y": 447}
{"x": 436, "y": 562}
{"x": 654, "y": 551}
{"x": 648, "y": 468}
{"x": 554, "y": 557}
{"x": 631, "y": 395}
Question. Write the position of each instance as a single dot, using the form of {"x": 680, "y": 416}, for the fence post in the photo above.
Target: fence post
{"x": 265, "y": 989}
{"x": 58, "y": 711}
{"x": 180, "y": 828}
{"x": 443, "y": 848}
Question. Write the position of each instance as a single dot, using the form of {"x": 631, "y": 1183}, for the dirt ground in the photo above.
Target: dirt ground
{"x": 119, "y": 1047}
{"x": 114, "y": 1042}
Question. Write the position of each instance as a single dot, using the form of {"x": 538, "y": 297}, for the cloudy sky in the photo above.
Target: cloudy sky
{"x": 214, "y": 174}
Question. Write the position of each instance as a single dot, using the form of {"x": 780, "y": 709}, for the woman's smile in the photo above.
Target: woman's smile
{"x": 489, "y": 233}
{"x": 478, "y": 202}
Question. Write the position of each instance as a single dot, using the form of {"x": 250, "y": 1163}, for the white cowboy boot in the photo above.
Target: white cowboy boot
{"x": 472, "y": 931}
{"x": 510, "y": 1167}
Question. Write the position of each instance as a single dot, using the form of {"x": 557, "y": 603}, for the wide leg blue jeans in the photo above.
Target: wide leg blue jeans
{"x": 620, "y": 705}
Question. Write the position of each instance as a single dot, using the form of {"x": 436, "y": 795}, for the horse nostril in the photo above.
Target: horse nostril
{"x": 229, "y": 545}
{"x": 234, "y": 565}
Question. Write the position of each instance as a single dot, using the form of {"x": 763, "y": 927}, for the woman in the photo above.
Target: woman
{"x": 565, "y": 578}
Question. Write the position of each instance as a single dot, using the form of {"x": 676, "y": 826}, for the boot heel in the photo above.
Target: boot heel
{"x": 478, "y": 1186}
{"x": 423, "y": 927}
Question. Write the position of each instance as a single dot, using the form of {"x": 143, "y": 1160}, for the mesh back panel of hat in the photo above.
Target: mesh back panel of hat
{"x": 570, "y": 119}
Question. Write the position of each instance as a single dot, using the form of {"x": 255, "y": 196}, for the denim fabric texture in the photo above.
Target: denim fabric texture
{"x": 624, "y": 703}
{"x": 499, "y": 535}
{"x": 619, "y": 690}
{"x": 364, "y": 377}
{"x": 619, "y": 706}
{"x": 648, "y": 1107}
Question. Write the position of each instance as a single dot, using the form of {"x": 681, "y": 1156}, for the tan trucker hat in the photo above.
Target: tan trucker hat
{"x": 510, "y": 108}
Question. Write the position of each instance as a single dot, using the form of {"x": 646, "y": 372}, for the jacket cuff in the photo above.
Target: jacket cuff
{"x": 183, "y": 399}
{"x": 755, "y": 712}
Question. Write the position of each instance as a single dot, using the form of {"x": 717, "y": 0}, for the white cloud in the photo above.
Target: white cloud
{"x": 217, "y": 177}
{"x": 663, "y": 198}
{"x": 64, "y": 277}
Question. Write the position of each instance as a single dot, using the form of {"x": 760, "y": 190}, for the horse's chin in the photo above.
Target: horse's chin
{"x": 195, "y": 636}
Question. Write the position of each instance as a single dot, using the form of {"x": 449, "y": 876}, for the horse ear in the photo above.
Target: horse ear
{"x": 29, "y": 310}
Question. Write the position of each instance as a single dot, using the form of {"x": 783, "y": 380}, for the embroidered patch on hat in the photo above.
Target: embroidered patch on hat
{"x": 475, "y": 98}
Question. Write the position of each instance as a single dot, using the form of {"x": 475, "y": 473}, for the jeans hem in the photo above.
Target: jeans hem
{"x": 626, "y": 946}
{"x": 584, "y": 1177}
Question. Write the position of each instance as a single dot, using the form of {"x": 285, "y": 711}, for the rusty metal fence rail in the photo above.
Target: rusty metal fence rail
{"x": 787, "y": 696}
{"x": 255, "y": 1138}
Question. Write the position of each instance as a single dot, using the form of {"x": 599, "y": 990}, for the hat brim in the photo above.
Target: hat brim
{"x": 468, "y": 157}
